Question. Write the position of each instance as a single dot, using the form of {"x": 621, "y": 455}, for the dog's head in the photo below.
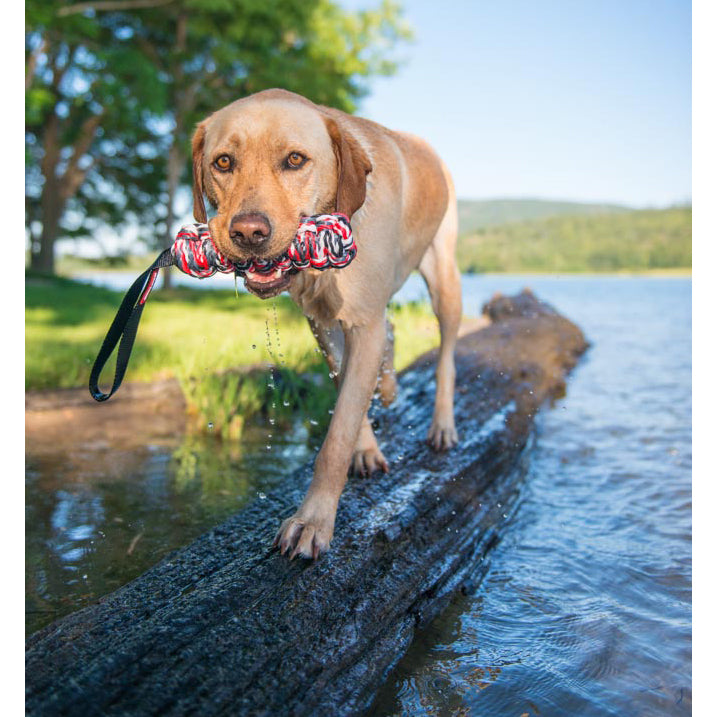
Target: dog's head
{"x": 264, "y": 162}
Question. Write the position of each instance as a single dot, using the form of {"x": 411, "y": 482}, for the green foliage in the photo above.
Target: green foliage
{"x": 475, "y": 214}
{"x": 113, "y": 95}
{"x": 225, "y": 402}
{"x": 626, "y": 241}
{"x": 89, "y": 98}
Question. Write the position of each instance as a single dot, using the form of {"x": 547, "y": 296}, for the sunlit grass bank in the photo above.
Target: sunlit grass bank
{"x": 234, "y": 356}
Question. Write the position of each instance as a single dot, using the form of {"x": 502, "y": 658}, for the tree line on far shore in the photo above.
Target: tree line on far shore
{"x": 638, "y": 240}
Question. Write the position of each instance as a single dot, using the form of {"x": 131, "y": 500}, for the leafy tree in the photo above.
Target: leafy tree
{"x": 87, "y": 134}
{"x": 115, "y": 87}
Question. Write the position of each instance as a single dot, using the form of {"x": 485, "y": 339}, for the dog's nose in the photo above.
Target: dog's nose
{"x": 250, "y": 229}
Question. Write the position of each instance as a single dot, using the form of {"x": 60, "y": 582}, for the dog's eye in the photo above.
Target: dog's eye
{"x": 295, "y": 160}
{"x": 223, "y": 162}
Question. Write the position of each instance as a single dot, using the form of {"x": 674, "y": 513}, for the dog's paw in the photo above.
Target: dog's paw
{"x": 307, "y": 533}
{"x": 367, "y": 460}
{"x": 442, "y": 436}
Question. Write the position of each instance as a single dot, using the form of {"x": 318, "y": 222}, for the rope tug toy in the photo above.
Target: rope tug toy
{"x": 324, "y": 241}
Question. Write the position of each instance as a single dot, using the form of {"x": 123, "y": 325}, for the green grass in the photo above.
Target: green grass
{"x": 644, "y": 240}
{"x": 68, "y": 263}
{"x": 218, "y": 345}
{"x": 183, "y": 332}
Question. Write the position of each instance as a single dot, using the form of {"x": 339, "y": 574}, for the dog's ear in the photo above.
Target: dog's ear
{"x": 200, "y": 211}
{"x": 352, "y": 165}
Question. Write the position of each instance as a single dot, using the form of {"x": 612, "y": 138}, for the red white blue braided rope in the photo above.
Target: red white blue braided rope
{"x": 323, "y": 241}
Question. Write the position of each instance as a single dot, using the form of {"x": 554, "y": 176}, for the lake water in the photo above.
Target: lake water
{"x": 586, "y": 607}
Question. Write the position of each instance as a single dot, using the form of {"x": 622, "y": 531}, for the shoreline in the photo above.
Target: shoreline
{"x": 159, "y": 405}
{"x": 679, "y": 272}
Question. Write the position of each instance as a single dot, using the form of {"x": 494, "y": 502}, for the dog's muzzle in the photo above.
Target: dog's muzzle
{"x": 324, "y": 241}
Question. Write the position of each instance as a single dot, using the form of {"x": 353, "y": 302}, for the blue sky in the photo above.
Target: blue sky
{"x": 578, "y": 100}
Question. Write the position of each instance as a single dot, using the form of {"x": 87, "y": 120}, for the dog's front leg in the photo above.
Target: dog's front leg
{"x": 367, "y": 456}
{"x": 309, "y": 531}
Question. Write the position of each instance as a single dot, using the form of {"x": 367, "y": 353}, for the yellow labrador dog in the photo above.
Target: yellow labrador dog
{"x": 267, "y": 160}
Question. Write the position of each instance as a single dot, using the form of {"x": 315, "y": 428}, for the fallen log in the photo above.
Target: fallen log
{"x": 226, "y": 626}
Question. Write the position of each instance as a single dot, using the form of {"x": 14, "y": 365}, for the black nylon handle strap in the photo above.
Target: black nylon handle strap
{"x": 124, "y": 327}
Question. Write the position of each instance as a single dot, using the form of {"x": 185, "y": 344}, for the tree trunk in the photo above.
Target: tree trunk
{"x": 57, "y": 189}
{"x": 228, "y": 627}
{"x": 174, "y": 173}
{"x": 42, "y": 258}
{"x": 175, "y": 157}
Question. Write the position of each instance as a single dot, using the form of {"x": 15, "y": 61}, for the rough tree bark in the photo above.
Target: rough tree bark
{"x": 228, "y": 627}
{"x": 60, "y": 185}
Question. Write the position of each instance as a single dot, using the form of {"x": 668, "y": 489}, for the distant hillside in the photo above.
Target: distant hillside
{"x": 627, "y": 240}
{"x": 479, "y": 214}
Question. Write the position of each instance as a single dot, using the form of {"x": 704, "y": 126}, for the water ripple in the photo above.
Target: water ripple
{"x": 586, "y": 609}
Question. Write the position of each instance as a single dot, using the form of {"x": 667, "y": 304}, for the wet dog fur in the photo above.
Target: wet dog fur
{"x": 265, "y": 161}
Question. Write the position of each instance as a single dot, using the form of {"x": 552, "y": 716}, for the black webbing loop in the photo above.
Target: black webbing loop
{"x": 124, "y": 327}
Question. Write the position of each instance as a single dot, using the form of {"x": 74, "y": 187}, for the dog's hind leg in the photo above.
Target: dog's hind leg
{"x": 387, "y": 384}
{"x": 440, "y": 272}
{"x": 367, "y": 456}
